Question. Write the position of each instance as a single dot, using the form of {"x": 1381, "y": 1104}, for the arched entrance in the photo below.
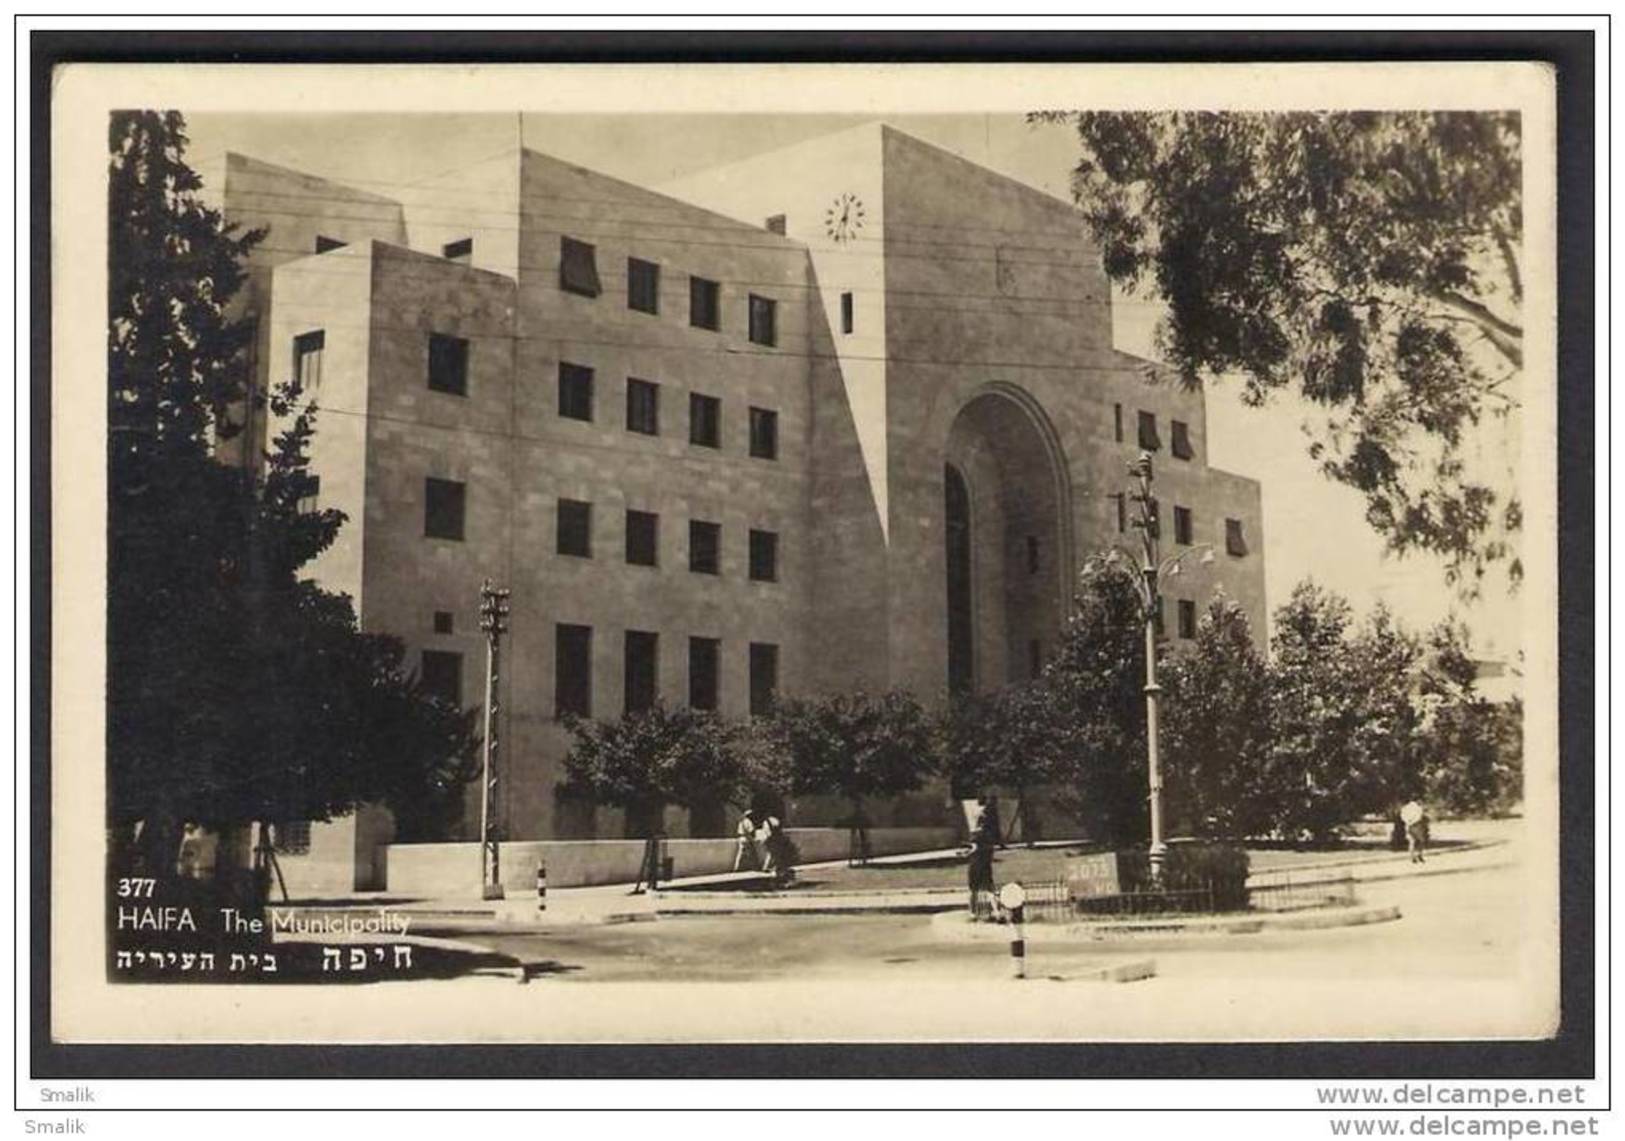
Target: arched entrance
{"x": 1006, "y": 507}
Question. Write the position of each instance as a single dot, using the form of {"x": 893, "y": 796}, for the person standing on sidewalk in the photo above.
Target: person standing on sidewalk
{"x": 984, "y": 838}
{"x": 745, "y": 858}
{"x": 1416, "y": 829}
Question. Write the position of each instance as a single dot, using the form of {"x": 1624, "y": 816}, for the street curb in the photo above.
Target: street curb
{"x": 960, "y": 928}
{"x": 1326, "y": 865}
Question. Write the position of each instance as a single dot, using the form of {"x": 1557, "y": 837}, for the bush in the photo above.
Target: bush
{"x": 1191, "y": 867}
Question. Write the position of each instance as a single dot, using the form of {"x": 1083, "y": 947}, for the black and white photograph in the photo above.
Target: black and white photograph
{"x": 775, "y": 553}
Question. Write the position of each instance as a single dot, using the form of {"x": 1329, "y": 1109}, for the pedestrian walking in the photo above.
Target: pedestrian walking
{"x": 745, "y": 856}
{"x": 1415, "y": 818}
{"x": 984, "y": 838}
{"x": 775, "y": 849}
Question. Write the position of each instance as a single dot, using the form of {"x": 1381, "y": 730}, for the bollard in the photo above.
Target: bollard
{"x": 541, "y": 886}
{"x": 1014, "y": 898}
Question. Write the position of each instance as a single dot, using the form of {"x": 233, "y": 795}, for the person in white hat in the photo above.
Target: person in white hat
{"x": 1416, "y": 829}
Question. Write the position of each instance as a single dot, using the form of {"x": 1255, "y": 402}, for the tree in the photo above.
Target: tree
{"x": 1215, "y": 728}
{"x": 655, "y": 757}
{"x": 237, "y": 692}
{"x": 1370, "y": 259}
{"x": 1471, "y": 749}
{"x": 1007, "y": 738}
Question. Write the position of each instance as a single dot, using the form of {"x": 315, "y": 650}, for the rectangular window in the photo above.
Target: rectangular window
{"x": 764, "y": 677}
{"x": 1122, "y": 512}
{"x": 704, "y": 547}
{"x": 1235, "y": 542}
{"x": 575, "y": 528}
{"x": 1117, "y": 422}
{"x": 847, "y": 315}
{"x": 1149, "y": 441}
{"x": 291, "y": 837}
{"x": 1032, "y": 554}
{"x": 704, "y": 660}
{"x": 764, "y": 556}
{"x": 461, "y": 250}
{"x": 642, "y": 538}
{"x": 1182, "y": 525}
{"x": 704, "y": 420}
{"x": 642, "y": 670}
{"x": 776, "y": 224}
{"x": 443, "y": 622}
{"x": 325, "y": 243}
{"x": 704, "y": 303}
{"x": 1180, "y": 444}
{"x": 642, "y": 406}
{"x": 442, "y": 675}
{"x": 448, "y": 364}
{"x": 1187, "y": 618}
{"x": 575, "y": 391}
{"x": 572, "y": 670}
{"x": 764, "y": 320}
{"x": 578, "y": 268}
{"x": 443, "y": 504}
{"x": 311, "y": 499}
{"x": 307, "y": 360}
{"x": 764, "y": 434}
{"x": 642, "y": 285}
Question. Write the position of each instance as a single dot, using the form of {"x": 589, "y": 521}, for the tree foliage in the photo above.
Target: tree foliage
{"x": 856, "y": 745}
{"x": 1371, "y": 260}
{"x": 1471, "y": 748}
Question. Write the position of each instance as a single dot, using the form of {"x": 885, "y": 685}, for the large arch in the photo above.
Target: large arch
{"x": 1007, "y": 514}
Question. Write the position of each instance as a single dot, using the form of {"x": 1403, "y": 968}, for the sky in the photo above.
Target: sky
{"x": 1313, "y": 528}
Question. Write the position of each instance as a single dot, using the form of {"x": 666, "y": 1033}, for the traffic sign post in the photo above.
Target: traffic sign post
{"x": 1013, "y": 898}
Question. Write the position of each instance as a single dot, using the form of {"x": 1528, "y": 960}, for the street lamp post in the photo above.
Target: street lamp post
{"x": 494, "y": 621}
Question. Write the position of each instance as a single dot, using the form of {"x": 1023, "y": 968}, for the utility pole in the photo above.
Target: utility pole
{"x": 494, "y": 621}
{"x": 1150, "y": 595}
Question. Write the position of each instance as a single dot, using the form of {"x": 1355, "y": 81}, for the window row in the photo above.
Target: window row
{"x": 1149, "y": 440}
{"x": 574, "y": 537}
{"x": 578, "y": 274}
{"x": 1235, "y": 540}
{"x": 577, "y": 398}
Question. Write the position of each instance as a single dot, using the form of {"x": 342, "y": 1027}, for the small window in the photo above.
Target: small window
{"x": 291, "y": 837}
{"x": 578, "y": 268}
{"x": 443, "y": 503}
{"x": 847, "y": 315}
{"x": 1149, "y": 441}
{"x": 310, "y": 501}
{"x": 704, "y": 660}
{"x": 572, "y": 670}
{"x": 642, "y": 285}
{"x": 1032, "y": 554}
{"x": 764, "y": 434}
{"x": 1180, "y": 443}
{"x": 575, "y": 528}
{"x": 1187, "y": 618}
{"x": 442, "y": 676}
{"x": 642, "y": 538}
{"x": 1235, "y": 542}
{"x": 307, "y": 360}
{"x": 776, "y": 224}
{"x": 575, "y": 391}
{"x": 1117, "y": 422}
{"x": 1182, "y": 525}
{"x": 704, "y": 547}
{"x": 642, "y": 670}
{"x": 1122, "y": 512}
{"x": 764, "y": 320}
{"x": 704, "y": 420}
{"x": 461, "y": 250}
{"x": 642, "y": 406}
{"x": 764, "y": 556}
{"x": 448, "y": 364}
{"x": 325, "y": 243}
{"x": 764, "y": 677}
{"x": 704, "y": 303}
{"x": 443, "y": 622}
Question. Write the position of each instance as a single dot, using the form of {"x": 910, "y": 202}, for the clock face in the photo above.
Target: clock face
{"x": 844, "y": 218}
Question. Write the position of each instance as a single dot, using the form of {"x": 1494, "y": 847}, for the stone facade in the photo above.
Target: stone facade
{"x": 929, "y": 316}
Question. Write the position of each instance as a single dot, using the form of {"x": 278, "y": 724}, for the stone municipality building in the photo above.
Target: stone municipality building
{"x": 843, "y": 414}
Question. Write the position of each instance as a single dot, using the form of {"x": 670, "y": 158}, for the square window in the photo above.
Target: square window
{"x": 764, "y": 556}
{"x": 764, "y": 320}
{"x": 642, "y": 407}
{"x": 1235, "y": 542}
{"x": 1187, "y": 618}
{"x": 776, "y": 223}
{"x": 1180, "y": 444}
{"x": 704, "y": 303}
{"x": 442, "y": 676}
{"x": 1182, "y": 525}
{"x": 704, "y": 420}
{"x": 642, "y": 670}
{"x": 764, "y": 677}
{"x": 1149, "y": 441}
{"x": 448, "y": 364}
{"x": 572, "y": 670}
{"x": 307, "y": 360}
{"x": 575, "y": 528}
{"x": 575, "y": 391}
{"x": 442, "y": 622}
{"x": 642, "y": 285}
{"x": 578, "y": 268}
{"x": 325, "y": 243}
{"x": 443, "y": 504}
{"x": 461, "y": 250}
{"x": 704, "y": 660}
{"x": 642, "y": 538}
{"x": 308, "y": 503}
{"x": 847, "y": 315}
{"x": 704, "y": 547}
{"x": 764, "y": 434}
{"x": 1117, "y": 422}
